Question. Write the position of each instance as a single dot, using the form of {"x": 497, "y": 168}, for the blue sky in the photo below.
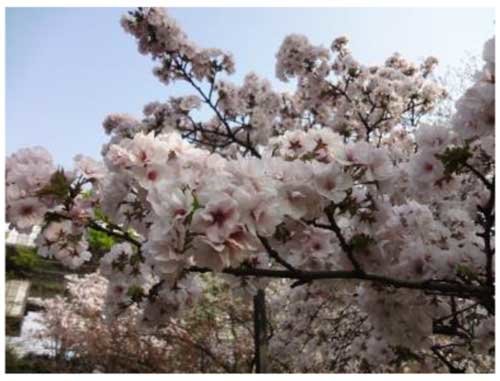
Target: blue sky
{"x": 67, "y": 68}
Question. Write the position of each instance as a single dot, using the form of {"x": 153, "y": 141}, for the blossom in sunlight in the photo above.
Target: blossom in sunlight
{"x": 369, "y": 226}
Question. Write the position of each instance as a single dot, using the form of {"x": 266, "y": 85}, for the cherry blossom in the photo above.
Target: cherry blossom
{"x": 344, "y": 196}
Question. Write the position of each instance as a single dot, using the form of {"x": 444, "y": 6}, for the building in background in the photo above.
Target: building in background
{"x": 14, "y": 238}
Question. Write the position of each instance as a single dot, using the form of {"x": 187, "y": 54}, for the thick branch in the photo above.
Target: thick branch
{"x": 488, "y": 224}
{"x": 480, "y": 176}
{"x": 442, "y": 287}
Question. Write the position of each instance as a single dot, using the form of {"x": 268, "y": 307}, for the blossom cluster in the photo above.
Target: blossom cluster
{"x": 344, "y": 177}
{"x": 160, "y": 35}
{"x": 351, "y": 98}
{"x": 28, "y": 171}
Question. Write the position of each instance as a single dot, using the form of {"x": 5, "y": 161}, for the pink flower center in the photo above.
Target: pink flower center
{"x": 119, "y": 289}
{"x": 295, "y": 144}
{"x": 219, "y": 217}
{"x": 316, "y": 246}
{"x": 330, "y": 184}
{"x": 27, "y": 210}
{"x": 152, "y": 175}
{"x": 179, "y": 212}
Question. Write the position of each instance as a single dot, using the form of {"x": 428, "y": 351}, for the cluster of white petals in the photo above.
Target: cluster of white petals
{"x": 64, "y": 241}
{"x": 348, "y": 177}
{"x": 159, "y": 34}
{"x": 27, "y": 172}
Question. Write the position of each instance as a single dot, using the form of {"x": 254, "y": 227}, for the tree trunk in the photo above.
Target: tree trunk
{"x": 260, "y": 332}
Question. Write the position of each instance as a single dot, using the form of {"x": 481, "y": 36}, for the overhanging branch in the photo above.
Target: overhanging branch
{"x": 440, "y": 286}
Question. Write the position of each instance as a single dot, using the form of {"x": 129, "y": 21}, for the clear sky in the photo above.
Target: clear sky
{"x": 67, "y": 68}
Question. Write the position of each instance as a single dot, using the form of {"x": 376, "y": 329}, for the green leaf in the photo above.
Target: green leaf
{"x": 466, "y": 272}
{"x": 99, "y": 214}
{"x": 360, "y": 242}
{"x": 58, "y": 186}
{"x": 136, "y": 293}
{"x": 99, "y": 241}
{"x": 196, "y": 206}
{"x": 308, "y": 156}
{"x": 454, "y": 159}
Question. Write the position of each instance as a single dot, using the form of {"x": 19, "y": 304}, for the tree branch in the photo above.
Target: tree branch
{"x": 488, "y": 224}
{"x": 274, "y": 254}
{"x": 121, "y": 234}
{"x": 118, "y": 234}
{"x": 440, "y": 286}
{"x": 480, "y": 176}
{"x": 443, "y": 359}
{"x": 208, "y": 101}
{"x": 343, "y": 243}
